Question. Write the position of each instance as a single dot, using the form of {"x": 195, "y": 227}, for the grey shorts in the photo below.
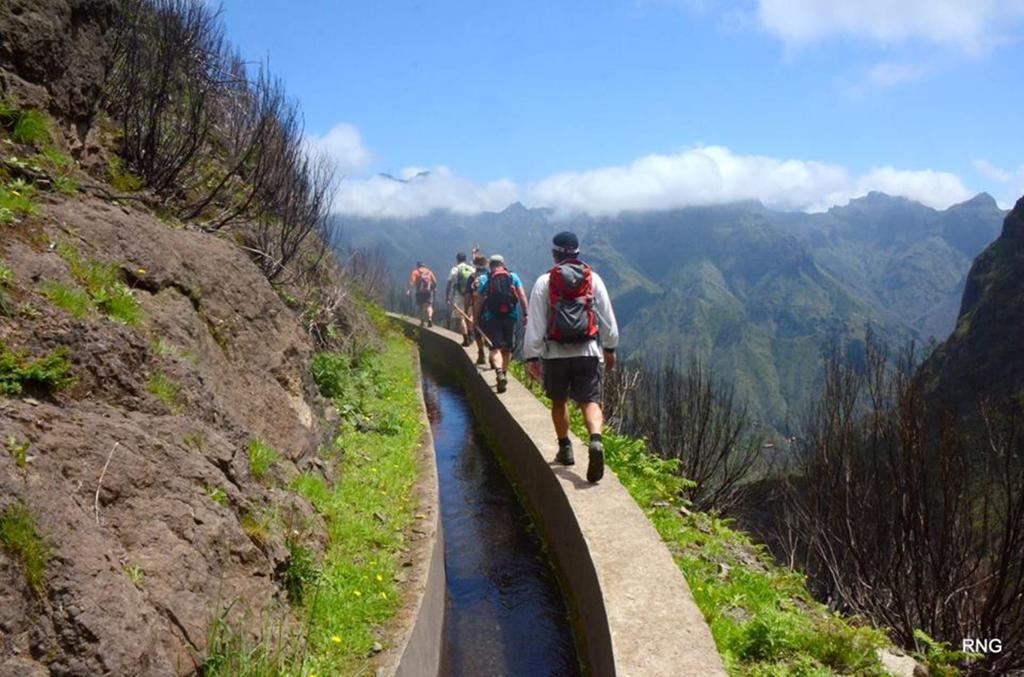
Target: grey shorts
{"x": 577, "y": 378}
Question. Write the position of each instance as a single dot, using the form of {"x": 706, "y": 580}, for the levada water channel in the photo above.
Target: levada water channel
{"x": 505, "y": 614}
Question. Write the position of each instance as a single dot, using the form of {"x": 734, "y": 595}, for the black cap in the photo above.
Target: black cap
{"x": 566, "y": 243}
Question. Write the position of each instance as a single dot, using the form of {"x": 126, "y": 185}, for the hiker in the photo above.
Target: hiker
{"x": 423, "y": 283}
{"x": 571, "y": 332}
{"x": 479, "y": 269}
{"x": 455, "y": 293}
{"x": 499, "y": 297}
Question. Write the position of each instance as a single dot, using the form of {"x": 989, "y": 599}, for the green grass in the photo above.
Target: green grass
{"x": 49, "y": 373}
{"x": 368, "y": 509}
{"x": 764, "y": 620}
{"x": 26, "y": 126}
{"x": 6, "y": 278}
{"x": 167, "y": 390}
{"x": 16, "y": 200}
{"x": 31, "y": 127}
{"x": 135, "y": 574}
{"x": 18, "y": 450}
{"x": 216, "y": 494}
{"x": 72, "y": 300}
{"x": 342, "y": 597}
{"x": 262, "y": 457}
{"x": 120, "y": 178}
{"x": 21, "y": 538}
{"x": 102, "y": 285}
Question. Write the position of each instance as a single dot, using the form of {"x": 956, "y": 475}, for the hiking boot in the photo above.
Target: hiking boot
{"x": 595, "y": 469}
{"x": 502, "y": 381}
{"x": 466, "y": 341}
{"x": 480, "y": 358}
{"x": 564, "y": 455}
{"x": 430, "y": 323}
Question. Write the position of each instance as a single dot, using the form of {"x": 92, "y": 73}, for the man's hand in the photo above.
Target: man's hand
{"x": 534, "y": 369}
{"x": 609, "y": 360}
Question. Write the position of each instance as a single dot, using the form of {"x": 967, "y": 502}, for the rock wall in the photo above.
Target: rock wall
{"x": 178, "y": 506}
{"x": 54, "y": 55}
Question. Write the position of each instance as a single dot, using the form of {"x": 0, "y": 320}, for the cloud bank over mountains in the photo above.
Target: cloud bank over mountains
{"x": 702, "y": 175}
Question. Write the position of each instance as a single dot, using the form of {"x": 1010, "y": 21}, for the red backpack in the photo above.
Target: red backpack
{"x": 571, "y": 296}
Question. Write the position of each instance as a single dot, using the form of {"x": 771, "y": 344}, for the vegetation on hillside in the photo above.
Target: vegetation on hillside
{"x": 912, "y": 514}
{"x": 763, "y": 619}
{"x": 343, "y": 596}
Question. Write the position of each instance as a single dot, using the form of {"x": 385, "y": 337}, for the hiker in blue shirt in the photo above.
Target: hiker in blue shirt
{"x": 499, "y": 296}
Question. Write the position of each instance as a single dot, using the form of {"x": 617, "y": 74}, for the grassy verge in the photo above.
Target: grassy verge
{"x": 369, "y": 508}
{"x": 763, "y": 618}
{"x": 343, "y": 597}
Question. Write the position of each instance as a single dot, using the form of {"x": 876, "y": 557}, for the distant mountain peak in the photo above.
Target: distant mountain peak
{"x": 516, "y": 207}
{"x": 981, "y": 201}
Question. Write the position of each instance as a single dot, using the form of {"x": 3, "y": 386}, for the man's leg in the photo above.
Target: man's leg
{"x": 560, "y": 417}
{"x": 587, "y": 373}
{"x": 593, "y": 415}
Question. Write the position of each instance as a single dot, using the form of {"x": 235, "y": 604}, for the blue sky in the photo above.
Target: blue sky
{"x": 602, "y": 106}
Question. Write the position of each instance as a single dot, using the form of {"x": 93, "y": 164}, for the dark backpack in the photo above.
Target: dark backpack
{"x": 500, "y": 298}
{"x": 571, "y": 296}
{"x": 423, "y": 283}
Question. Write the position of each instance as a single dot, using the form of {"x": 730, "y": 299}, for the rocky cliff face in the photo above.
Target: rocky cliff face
{"x": 54, "y": 55}
{"x": 983, "y": 356}
{"x": 178, "y": 504}
{"x": 137, "y": 477}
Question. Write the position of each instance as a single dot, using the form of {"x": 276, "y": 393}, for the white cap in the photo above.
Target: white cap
{"x": 497, "y": 258}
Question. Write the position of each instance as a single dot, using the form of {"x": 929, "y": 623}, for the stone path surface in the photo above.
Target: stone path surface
{"x": 620, "y": 564}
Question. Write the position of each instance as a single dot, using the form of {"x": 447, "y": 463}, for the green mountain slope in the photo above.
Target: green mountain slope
{"x": 756, "y": 293}
{"x": 982, "y": 359}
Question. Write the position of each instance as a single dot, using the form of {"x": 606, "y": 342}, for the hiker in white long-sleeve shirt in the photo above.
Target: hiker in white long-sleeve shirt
{"x": 571, "y": 332}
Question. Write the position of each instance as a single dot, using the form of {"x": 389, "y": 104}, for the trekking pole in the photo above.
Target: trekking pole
{"x": 476, "y": 325}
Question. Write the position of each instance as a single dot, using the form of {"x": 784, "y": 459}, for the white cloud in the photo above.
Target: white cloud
{"x": 707, "y": 175}
{"x": 995, "y": 173}
{"x": 968, "y": 25}
{"x": 935, "y": 189}
{"x": 696, "y": 176}
{"x": 419, "y": 192}
{"x": 344, "y": 145}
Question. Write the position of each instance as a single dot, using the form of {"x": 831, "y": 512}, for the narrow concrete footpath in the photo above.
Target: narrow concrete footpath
{"x": 633, "y": 609}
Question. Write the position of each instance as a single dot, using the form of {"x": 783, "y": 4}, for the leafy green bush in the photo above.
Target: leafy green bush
{"x": 261, "y": 457}
{"x": 120, "y": 178}
{"x": 20, "y": 537}
{"x": 302, "y": 573}
{"x": 49, "y": 373}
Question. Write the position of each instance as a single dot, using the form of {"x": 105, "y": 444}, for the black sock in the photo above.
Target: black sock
{"x": 595, "y": 437}
{"x": 563, "y": 441}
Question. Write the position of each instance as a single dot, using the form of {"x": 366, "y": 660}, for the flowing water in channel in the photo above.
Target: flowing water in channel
{"x": 505, "y": 611}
